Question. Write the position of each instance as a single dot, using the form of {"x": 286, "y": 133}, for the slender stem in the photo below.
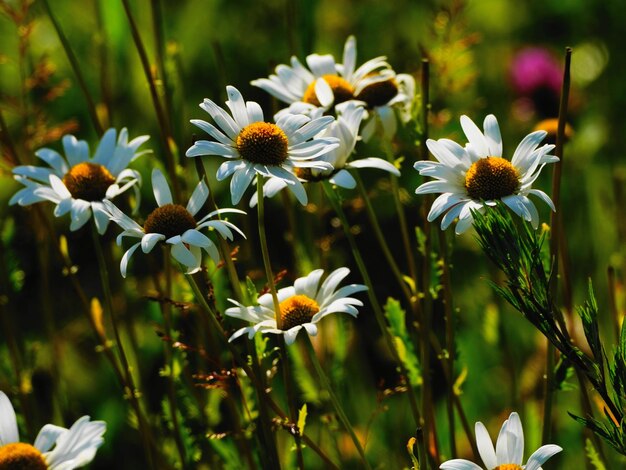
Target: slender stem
{"x": 91, "y": 107}
{"x": 333, "y": 398}
{"x": 378, "y": 313}
{"x": 384, "y": 246}
{"x": 164, "y": 125}
{"x": 159, "y": 48}
{"x": 291, "y": 397}
{"x": 132, "y": 392}
{"x": 404, "y": 231}
{"x": 166, "y": 309}
{"x": 103, "y": 59}
{"x": 241, "y": 362}
{"x": 554, "y": 244}
{"x": 11, "y": 156}
{"x": 425, "y": 324}
{"x": 449, "y": 312}
{"x": 264, "y": 251}
{"x": 265, "y": 432}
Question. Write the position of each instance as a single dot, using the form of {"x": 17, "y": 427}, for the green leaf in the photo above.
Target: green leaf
{"x": 251, "y": 290}
{"x": 307, "y": 385}
{"x": 302, "y": 414}
{"x": 397, "y": 318}
{"x": 593, "y": 455}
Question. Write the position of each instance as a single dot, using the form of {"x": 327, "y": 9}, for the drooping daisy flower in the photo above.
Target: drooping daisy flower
{"x": 476, "y": 176}
{"x": 301, "y": 306}
{"x": 328, "y": 84}
{"x": 78, "y": 183}
{"x": 509, "y": 451}
{"x": 254, "y": 146}
{"x": 73, "y": 447}
{"x": 346, "y": 129}
{"x": 175, "y": 225}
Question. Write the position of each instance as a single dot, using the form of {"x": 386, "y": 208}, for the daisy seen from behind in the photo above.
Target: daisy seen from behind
{"x": 327, "y": 83}
{"x": 79, "y": 183}
{"x": 174, "y": 224}
{"x": 509, "y": 451}
{"x": 255, "y": 147}
{"x": 55, "y": 448}
{"x": 346, "y": 129}
{"x": 475, "y": 176}
{"x": 302, "y": 306}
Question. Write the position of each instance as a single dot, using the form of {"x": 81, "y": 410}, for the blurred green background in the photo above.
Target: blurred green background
{"x": 206, "y": 45}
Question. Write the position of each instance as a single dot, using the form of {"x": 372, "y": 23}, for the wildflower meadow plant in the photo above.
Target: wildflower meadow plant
{"x": 255, "y": 147}
{"x": 346, "y": 128}
{"x": 302, "y": 306}
{"x": 79, "y": 183}
{"x": 473, "y": 177}
{"x": 55, "y": 448}
{"x": 509, "y": 451}
{"x": 374, "y": 85}
{"x": 175, "y": 225}
{"x": 223, "y": 350}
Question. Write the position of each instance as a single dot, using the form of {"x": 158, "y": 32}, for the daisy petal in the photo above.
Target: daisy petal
{"x": 492, "y": 136}
{"x": 8, "y": 421}
{"x": 198, "y": 198}
{"x": 126, "y": 258}
{"x": 459, "y": 464}
{"x": 343, "y": 179}
{"x": 161, "y": 189}
{"x": 541, "y": 455}
{"x": 48, "y": 436}
{"x": 485, "y": 446}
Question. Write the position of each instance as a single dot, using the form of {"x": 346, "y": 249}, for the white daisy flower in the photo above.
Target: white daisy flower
{"x": 476, "y": 176}
{"x": 509, "y": 451}
{"x": 73, "y": 447}
{"x": 175, "y": 225}
{"x": 328, "y": 84}
{"x": 78, "y": 183}
{"x": 346, "y": 130}
{"x": 253, "y": 146}
{"x": 301, "y": 306}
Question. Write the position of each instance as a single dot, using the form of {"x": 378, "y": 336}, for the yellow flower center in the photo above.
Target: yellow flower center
{"x": 88, "y": 181}
{"x": 264, "y": 143}
{"x": 342, "y": 90}
{"x": 379, "y": 93}
{"x": 19, "y": 456}
{"x": 491, "y": 178}
{"x": 508, "y": 466}
{"x": 169, "y": 220}
{"x": 297, "y": 310}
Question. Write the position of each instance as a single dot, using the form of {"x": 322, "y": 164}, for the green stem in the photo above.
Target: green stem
{"x": 241, "y": 362}
{"x": 103, "y": 59}
{"x": 163, "y": 122}
{"x": 91, "y": 107}
{"x": 166, "y": 309}
{"x": 132, "y": 392}
{"x": 404, "y": 231}
{"x": 378, "y": 312}
{"x": 333, "y": 398}
{"x": 265, "y": 432}
{"x": 554, "y": 245}
{"x": 425, "y": 325}
{"x": 449, "y": 313}
{"x": 291, "y": 397}
{"x": 384, "y": 246}
{"x": 264, "y": 251}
